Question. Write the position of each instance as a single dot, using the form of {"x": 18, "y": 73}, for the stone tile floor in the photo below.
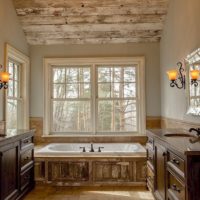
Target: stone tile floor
{"x": 85, "y": 193}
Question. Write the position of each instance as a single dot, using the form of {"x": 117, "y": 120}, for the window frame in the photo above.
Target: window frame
{"x": 140, "y": 80}
{"x": 21, "y": 59}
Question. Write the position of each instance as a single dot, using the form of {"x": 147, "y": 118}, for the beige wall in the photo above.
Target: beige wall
{"x": 10, "y": 32}
{"x": 181, "y": 36}
{"x": 150, "y": 51}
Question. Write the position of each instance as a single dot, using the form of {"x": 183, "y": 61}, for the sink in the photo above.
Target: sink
{"x": 177, "y": 135}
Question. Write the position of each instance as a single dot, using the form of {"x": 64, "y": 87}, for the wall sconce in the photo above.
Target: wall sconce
{"x": 195, "y": 74}
{"x": 4, "y": 78}
{"x": 177, "y": 78}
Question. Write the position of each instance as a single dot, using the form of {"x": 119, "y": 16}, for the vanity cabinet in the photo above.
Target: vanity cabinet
{"x": 160, "y": 162}
{"x": 16, "y": 165}
{"x": 173, "y": 167}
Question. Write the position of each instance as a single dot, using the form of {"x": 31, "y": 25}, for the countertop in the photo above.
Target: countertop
{"x": 181, "y": 144}
{"x": 12, "y": 134}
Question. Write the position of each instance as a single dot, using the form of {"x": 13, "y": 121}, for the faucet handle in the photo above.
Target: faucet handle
{"x": 99, "y": 149}
{"x": 83, "y": 149}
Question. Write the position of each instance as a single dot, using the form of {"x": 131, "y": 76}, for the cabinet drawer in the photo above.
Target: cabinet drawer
{"x": 176, "y": 189}
{"x": 150, "y": 178}
{"x": 26, "y": 141}
{"x": 176, "y": 163}
{"x": 26, "y": 158}
{"x": 26, "y": 178}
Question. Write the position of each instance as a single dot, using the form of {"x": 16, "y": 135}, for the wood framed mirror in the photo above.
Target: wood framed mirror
{"x": 192, "y": 62}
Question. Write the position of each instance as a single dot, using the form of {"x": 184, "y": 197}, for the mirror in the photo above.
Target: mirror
{"x": 193, "y": 90}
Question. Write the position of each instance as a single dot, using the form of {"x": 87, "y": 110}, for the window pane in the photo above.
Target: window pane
{"x": 58, "y": 75}
{"x": 71, "y": 116}
{"x": 117, "y": 115}
{"x": 11, "y": 88}
{"x": 16, "y": 88}
{"x": 58, "y": 91}
{"x": 130, "y": 90}
{"x": 104, "y": 74}
{"x": 104, "y": 90}
{"x": 84, "y": 90}
{"x": 72, "y": 90}
{"x": 11, "y": 114}
{"x": 72, "y": 75}
{"x": 84, "y": 75}
{"x": 10, "y": 70}
{"x": 16, "y": 71}
{"x": 129, "y": 74}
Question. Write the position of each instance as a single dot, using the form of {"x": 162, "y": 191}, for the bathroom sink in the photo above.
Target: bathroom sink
{"x": 177, "y": 135}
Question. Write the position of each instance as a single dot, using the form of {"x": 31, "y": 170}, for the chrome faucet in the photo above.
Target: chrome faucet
{"x": 92, "y": 148}
{"x": 197, "y": 133}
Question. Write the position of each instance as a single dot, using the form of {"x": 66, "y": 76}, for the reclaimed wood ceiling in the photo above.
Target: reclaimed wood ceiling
{"x": 91, "y": 21}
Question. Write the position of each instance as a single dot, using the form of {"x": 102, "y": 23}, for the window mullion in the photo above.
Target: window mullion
{"x": 94, "y": 98}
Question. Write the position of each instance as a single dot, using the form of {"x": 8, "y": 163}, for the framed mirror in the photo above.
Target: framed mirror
{"x": 193, "y": 88}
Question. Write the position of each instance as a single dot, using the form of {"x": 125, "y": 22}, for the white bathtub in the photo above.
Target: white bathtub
{"x": 108, "y": 149}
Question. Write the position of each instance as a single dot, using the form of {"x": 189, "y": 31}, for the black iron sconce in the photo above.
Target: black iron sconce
{"x": 4, "y": 78}
{"x": 177, "y": 78}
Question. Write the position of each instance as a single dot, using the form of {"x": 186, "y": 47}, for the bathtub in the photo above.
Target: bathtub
{"x": 64, "y": 164}
{"x": 106, "y": 149}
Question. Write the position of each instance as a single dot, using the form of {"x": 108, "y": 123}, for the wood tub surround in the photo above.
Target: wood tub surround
{"x": 16, "y": 164}
{"x": 173, "y": 165}
{"x": 91, "y": 170}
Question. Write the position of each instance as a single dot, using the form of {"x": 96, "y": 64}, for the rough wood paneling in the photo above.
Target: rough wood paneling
{"x": 58, "y": 18}
{"x": 91, "y": 171}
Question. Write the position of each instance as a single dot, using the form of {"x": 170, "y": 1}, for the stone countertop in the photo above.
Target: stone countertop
{"x": 14, "y": 133}
{"x": 178, "y": 143}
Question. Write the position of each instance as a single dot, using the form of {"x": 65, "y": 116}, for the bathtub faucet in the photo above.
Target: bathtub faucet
{"x": 198, "y": 135}
{"x": 92, "y": 148}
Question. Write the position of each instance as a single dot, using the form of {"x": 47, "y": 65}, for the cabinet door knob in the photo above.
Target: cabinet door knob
{"x": 164, "y": 153}
{"x": 174, "y": 160}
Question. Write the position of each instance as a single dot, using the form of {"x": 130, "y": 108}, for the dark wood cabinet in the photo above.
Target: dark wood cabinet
{"x": 9, "y": 157}
{"x": 173, "y": 167}
{"x": 160, "y": 164}
{"x": 16, "y": 166}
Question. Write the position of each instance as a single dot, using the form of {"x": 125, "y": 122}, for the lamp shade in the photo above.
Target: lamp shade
{"x": 195, "y": 74}
{"x": 172, "y": 75}
{"x": 4, "y": 76}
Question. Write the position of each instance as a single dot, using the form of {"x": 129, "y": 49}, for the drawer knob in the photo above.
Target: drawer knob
{"x": 27, "y": 158}
{"x": 174, "y": 160}
{"x": 26, "y": 141}
{"x": 175, "y": 188}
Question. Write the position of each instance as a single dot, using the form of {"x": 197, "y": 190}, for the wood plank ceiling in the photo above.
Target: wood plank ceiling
{"x": 91, "y": 21}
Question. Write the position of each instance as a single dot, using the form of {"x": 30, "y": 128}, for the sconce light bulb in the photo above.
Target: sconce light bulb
{"x": 4, "y": 77}
{"x": 172, "y": 75}
{"x": 195, "y": 74}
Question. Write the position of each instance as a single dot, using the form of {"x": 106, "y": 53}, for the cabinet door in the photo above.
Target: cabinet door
{"x": 160, "y": 190}
{"x": 9, "y": 171}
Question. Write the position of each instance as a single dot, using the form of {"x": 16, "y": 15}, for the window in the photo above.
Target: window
{"x": 14, "y": 100}
{"x": 17, "y": 102}
{"x": 94, "y": 96}
{"x": 71, "y": 99}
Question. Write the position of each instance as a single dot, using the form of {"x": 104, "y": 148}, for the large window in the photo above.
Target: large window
{"x": 17, "y": 95}
{"x": 94, "y": 96}
{"x": 14, "y": 100}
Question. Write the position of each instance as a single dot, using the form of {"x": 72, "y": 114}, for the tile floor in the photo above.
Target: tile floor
{"x": 77, "y": 193}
